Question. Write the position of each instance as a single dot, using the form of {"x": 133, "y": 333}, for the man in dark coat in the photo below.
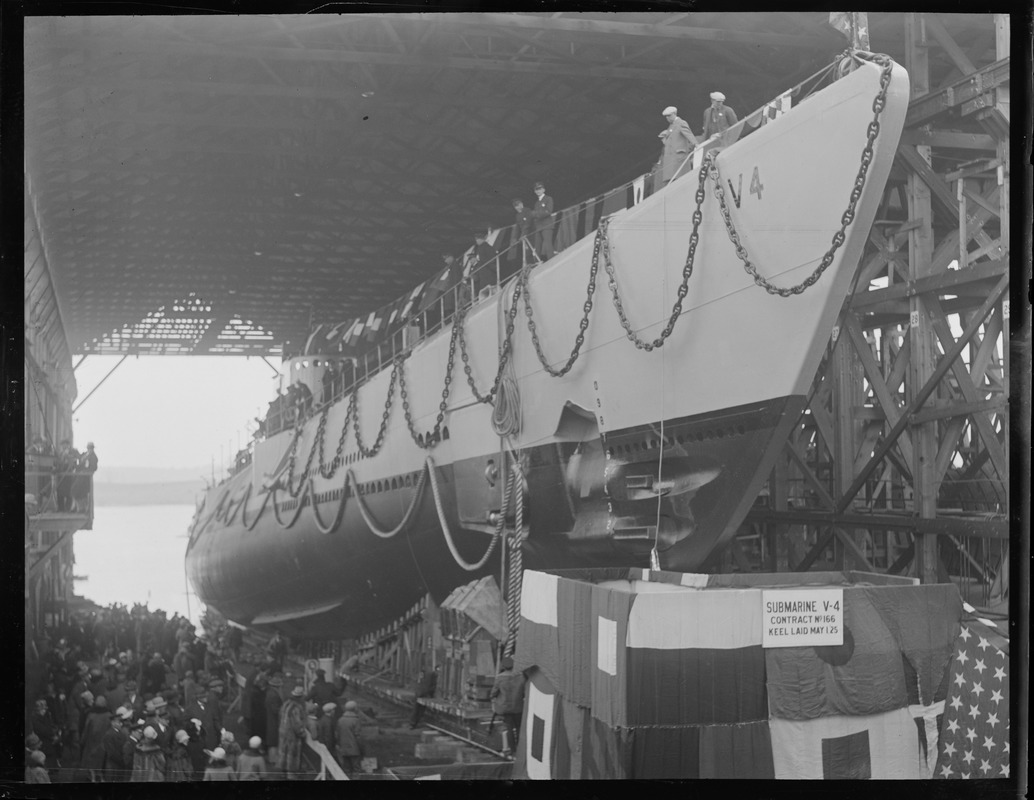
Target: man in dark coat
{"x": 718, "y": 117}
{"x": 67, "y": 463}
{"x": 256, "y": 698}
{"x": 542, "y": 213}
{"x": 203, "y": 708}
{"x": 679, "y": 142}
{"x": 507, "y": 697}
{"x": 91, "y": 747}
{"x": 272, "y": 706}
{"x": 234, "y": 637}
{"x": 484, "y": 266}
{"x": 44, "y": 726}
{"x": 183, "y": 662}
{"x": 114, "y": 741}
{"x": 321, "y": 692}
{"x": 277, "y": 649}
{"x": 154, "y": 674}
{"x": 426, "y": 685}
{"x": 159, "y": 720}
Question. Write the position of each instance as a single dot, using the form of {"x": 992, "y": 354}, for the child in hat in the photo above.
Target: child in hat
{"x": 229, "y": 744}
{"x": 218, "y": 769}
{"x": 35, "y": 772}
{"x": 251, "y": 764}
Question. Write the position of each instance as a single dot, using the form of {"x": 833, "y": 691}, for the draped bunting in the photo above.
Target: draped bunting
{"x": 640, "y": 674}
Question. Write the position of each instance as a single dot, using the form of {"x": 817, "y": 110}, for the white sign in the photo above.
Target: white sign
{"x": 802, "y": 617}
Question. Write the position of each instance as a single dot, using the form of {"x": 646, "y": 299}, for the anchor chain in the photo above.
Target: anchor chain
{"x": 873, "y": 130}
{"x": 687, "y": 272}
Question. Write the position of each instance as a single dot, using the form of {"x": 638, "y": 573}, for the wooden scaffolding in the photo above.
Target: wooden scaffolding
{"x": 900, "y": 462}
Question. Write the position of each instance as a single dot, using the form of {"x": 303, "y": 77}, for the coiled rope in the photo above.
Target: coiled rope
{"x": 506, "y": 413}
{"x": 516, "y": 565}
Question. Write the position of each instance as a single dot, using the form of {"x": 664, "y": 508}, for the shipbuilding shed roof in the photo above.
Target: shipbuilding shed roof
{"x": 221, "y": 184}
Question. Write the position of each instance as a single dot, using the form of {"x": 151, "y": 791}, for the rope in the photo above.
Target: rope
{"x": 506, "y": 414}
{"x": 445, "y": 526}
{"x": 513, "y": 604}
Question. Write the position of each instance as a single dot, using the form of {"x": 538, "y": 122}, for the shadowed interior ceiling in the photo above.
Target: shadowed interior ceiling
{"x": 211, "y": 184}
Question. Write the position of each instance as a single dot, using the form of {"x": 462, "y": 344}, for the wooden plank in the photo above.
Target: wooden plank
{"x": 926, "y": 105}
{"x": 953, "y": 139}
{"x": 854, "y": 549}
{"x": 944, "y": 39}
{"x": 965, "y": 383}
{"x": 876, "y": 381}
{"x": 922, "y": 394}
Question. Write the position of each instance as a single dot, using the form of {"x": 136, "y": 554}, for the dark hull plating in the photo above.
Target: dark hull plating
{"x": 343, "y": 583}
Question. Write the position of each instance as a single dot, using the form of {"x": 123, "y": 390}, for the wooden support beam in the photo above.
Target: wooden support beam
{"x": 816, "y": 550}
{"x": 944, "y": 39}
{"x": 923, "y": 393}
{"x": 876, "y": 381}
{"x": 951, "y": 139}
{"x": 965, "y": 384}
{"x": 926, "y": 106}
{"x": 903, "y": 560}
{"x": 975, "y": 525}
{"x": 854, "y": 549}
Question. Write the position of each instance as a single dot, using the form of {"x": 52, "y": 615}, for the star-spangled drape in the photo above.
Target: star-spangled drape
{"x": 974, "y": 740}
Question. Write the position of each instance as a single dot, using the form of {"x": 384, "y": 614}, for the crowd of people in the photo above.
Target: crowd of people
{"x": 60, "y": 481}
{"x": 123, "y": 694}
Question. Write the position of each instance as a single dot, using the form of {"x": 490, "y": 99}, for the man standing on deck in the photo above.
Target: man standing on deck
{"x": 482, "y": 263}
{"x": 542, "y": 213}
{"x": 718, "y": 117}
{"x": 678, "y": 140}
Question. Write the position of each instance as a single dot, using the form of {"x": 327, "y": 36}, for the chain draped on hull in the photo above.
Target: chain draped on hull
{"x": 503, "y": 392}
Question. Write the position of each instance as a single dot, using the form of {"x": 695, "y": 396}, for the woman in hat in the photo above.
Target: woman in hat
{"x": 218, "y": 769}
{"x": 35, "y": 772}
{"x": 293, "y": 733}
{"x": 251, "y": 764}
{"x": 179, "y": 767}
{"x": 148, "y": 760}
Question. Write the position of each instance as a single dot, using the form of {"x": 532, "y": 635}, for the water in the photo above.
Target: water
{"x": 134, "y": 554}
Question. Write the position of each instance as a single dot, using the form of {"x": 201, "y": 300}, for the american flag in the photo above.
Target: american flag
{"x": 974, "y": 740}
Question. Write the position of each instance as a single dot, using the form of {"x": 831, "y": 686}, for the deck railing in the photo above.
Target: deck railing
{"x": 570, "y": 225}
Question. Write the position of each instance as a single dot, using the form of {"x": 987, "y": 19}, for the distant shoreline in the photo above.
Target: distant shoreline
{"x": 168, "y": 493}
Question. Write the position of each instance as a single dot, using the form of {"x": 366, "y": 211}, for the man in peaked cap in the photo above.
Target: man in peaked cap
{"x": 718, "y": 117}
{"x": 542, "y": 215}
{"x": 679, "y": 142}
